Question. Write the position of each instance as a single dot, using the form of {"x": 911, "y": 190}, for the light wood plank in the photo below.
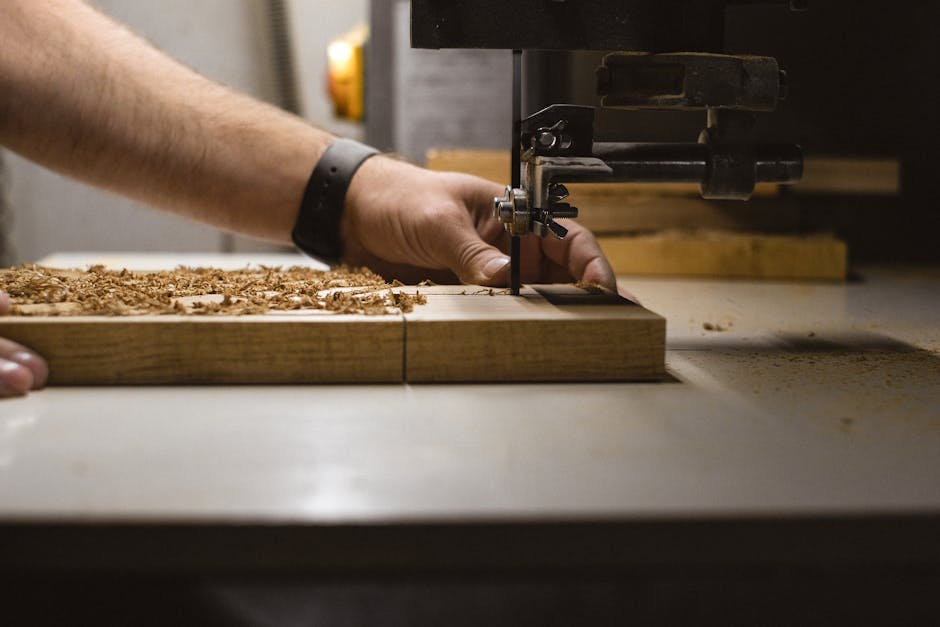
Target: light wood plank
{"x": 863, "y": 176}
{"x": 726, "y": 254}
{"x": 493, "y": 165}
{"x": 463, "y": 333}
{"x": 626, "y": 207}
{"x": 850, "y": 176}
{"x": 269, "y": 348}
{"x": 549, "y": 333}
{"x": 619, "y": 208}
{"x": 611, "y": 214}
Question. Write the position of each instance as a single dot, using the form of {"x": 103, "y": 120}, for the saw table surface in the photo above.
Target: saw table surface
{"x": 787, "y": 400}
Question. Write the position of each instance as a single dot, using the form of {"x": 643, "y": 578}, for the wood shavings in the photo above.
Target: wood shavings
{"x": 37, "y": 290}
{"x": 488, "y": 291}
{"x": 592, "y": 288}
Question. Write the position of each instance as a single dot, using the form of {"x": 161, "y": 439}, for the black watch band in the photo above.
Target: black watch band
{"x": 317, "y": 230}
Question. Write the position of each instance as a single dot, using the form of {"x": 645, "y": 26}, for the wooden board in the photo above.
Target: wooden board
{"x": 610, "y": 213}
{"x": 273, "y": 348}
{"x": 626, "y": 207}
{"x": 634, "y": 207}
{"x": 727, "y": 254}
{"x": 548, "y": 333}
{"x": 879, "y": 176}
{"x": 850, "y": 176}
{"x": 552, "y": 333}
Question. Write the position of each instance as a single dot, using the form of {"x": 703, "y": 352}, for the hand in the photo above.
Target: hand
{"x": 401, "y": 221}
{"x": 21, "y": 370}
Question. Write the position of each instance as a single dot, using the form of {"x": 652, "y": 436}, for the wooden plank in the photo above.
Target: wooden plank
{"x": 548, "y": 333}
{"x": 270, "y": 348}
{"x": 850, "y": 176}
{"x": 493, "y": 165}
{"x": 461, "y": 333}
{"x": 726, "y": 254}
{"x": 630, "y": 207}
{"x": 879, "y": 176}
{"x": 611, "y": 214}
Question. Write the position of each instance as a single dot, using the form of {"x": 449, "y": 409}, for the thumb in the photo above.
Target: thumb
{"x": 494, "y": 269}
{"x": 482, "y": 264}
{"x": 474, "y": 261}
{"x": 4, "y": 303}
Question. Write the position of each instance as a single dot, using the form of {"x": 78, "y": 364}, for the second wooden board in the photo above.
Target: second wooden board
{"x": 547, "y": 333}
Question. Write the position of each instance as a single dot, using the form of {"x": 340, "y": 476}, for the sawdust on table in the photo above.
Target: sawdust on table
{"x": 38, "y": 290}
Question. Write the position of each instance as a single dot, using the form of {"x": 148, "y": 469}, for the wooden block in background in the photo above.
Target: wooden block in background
{"x": 850, "y": 176}
{"x": 554, "y": 333}
{"x": 728, "y": 254}
{"x": 631, "y": 207}
{"x": 548, "y": 333}
{"x": 611, "y": 214}
{"x": 822, "y": 174}
{"x": 622, "y": 207}
{"x": 493, "y": 165}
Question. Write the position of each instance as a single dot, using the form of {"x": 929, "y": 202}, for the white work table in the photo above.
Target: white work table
{"x": 790, "y": 402}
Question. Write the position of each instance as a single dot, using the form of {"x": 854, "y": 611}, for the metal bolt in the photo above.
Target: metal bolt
{"x": 563, "y": 210}
{"x": 547, "y": 139}
{"x": 502, "y": 209}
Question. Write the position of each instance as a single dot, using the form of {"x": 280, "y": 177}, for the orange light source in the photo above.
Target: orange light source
{"x": 346, "y": 73}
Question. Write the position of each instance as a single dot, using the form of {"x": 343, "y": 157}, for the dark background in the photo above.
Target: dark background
{"x": 863, "y": 79}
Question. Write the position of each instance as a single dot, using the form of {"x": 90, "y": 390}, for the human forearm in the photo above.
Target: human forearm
{"x": 84, "y": 96}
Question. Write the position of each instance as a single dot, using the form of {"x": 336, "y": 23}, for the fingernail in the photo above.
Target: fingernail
{"x": 35, "y": 364}
{"x": 15, "y": 380}
{"x": 494, "y": 265}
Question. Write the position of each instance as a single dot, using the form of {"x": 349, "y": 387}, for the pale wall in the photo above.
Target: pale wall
{"x": 227, "y": 40}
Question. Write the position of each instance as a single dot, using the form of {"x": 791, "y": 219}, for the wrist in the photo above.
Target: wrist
{"x": 317, "y": 231}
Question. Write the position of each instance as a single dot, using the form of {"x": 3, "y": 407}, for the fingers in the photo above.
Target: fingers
{"x": 476, "y": 262}
{"x": 580, "y": 254}
{"x": 15, "y": 379}
{"x": 577, "y": 256}
{"x": 21, "y": 370}
{"x": 457, "y": 243}
{"x": 481, "y": 198}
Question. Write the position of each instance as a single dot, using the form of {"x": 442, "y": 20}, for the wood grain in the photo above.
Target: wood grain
{"x": 548, "y": 333}
{"x": 552, "y": 333}
{"x": 726, "y": 254}
{"x": 272, "y": 348}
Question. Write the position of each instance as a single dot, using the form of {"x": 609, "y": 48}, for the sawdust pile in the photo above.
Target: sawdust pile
{"x": 37, "y": 290}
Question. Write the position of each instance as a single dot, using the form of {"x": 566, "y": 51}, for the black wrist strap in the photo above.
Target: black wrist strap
{"x": 317, "y": 230}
